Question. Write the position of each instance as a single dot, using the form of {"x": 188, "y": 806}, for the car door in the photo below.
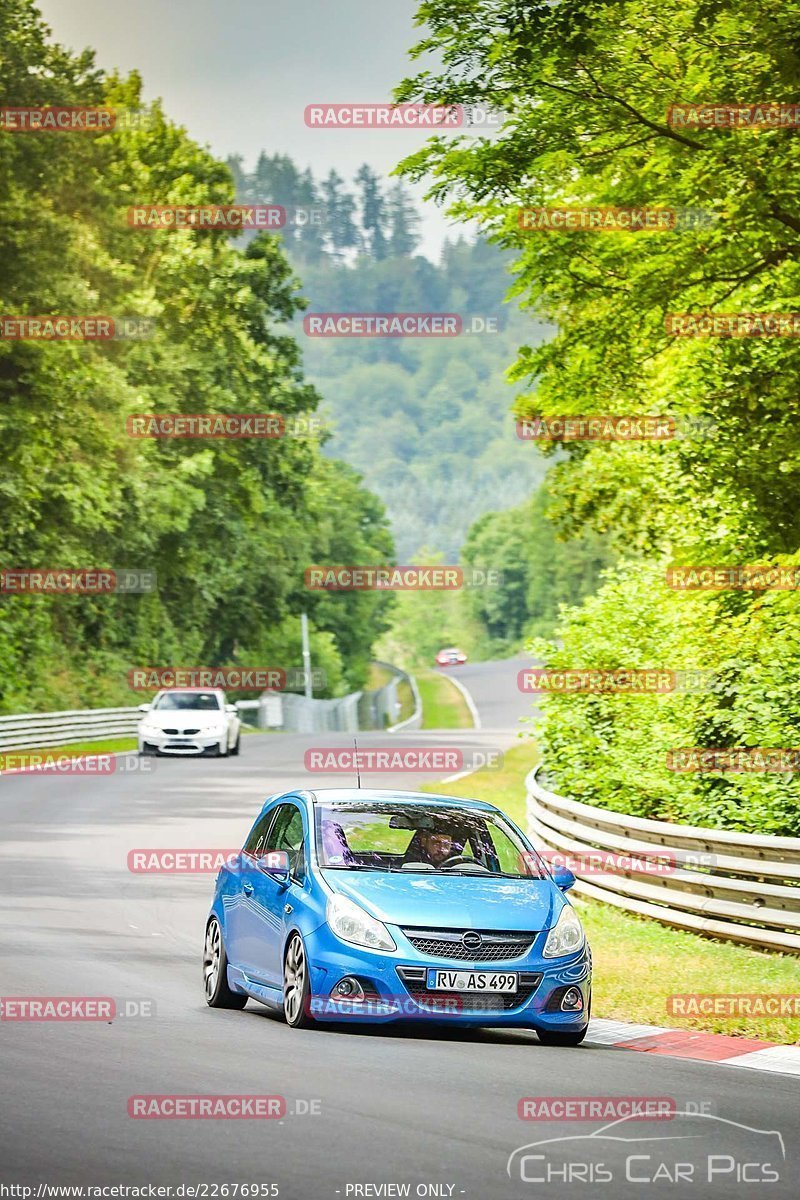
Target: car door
{"x": 274, "y": 901}
{"x": 237, "y": 898}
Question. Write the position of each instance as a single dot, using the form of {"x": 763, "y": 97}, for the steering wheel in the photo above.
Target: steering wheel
{"x": 455, "y": 860}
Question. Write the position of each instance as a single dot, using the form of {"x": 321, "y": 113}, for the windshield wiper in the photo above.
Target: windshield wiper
{"x": 355, "y": 867}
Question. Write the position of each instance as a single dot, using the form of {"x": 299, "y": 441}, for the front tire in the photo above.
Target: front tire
{"x": 235, "y": 747}
{"x": 296, "y": 985}
{"x": 215, "y": 971}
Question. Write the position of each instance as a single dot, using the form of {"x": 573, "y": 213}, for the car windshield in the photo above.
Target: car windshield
{"x": 397, "y": 836}
{"x": 204, "y": 701}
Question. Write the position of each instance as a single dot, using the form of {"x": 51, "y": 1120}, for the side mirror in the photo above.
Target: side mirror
{"x": 563, "y": 878}
{"x": 144, "y": 708}
{"x": 276, "y": 865}
{"x": 231, "y": 708}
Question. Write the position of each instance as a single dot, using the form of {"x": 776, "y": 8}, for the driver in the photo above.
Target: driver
{"x": 432, "y": 846}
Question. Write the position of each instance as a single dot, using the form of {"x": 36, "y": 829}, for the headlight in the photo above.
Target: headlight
{"x": 566, "y": 936}
{"x": 352, "y": 924}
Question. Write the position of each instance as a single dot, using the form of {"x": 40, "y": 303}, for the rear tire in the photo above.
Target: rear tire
{"x": 215, "y": 971}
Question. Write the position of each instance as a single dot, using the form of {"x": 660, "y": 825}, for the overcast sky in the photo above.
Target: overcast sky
{"x": 239, "y": 73}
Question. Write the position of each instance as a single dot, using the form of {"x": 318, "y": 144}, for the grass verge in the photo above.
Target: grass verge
{"x": 443, "y": 706}
{"x": 76, "y": 749}
{"x": 406, "y": 698}
{"x": 639, "y": 963}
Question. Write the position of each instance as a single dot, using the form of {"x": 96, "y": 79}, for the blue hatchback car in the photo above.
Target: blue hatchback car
{"x": 384, "y": 906}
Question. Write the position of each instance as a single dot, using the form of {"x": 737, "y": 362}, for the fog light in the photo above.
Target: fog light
{"x": 349, "y": 988}
{"x": 572, "y": 1000}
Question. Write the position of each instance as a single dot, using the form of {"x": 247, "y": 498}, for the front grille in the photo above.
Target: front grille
{"x": 181, "y": 732}
{"x": 460, "y": 1002}
{"x": 495, "y": 947}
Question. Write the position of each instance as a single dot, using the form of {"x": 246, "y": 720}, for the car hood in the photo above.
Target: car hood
{"x": 184, "y": 718}
{"x": 430, "y": 901}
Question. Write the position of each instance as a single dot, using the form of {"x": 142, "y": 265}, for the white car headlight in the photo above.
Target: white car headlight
{"x": 352, "y": 924}
{"x": 566, "y": 936}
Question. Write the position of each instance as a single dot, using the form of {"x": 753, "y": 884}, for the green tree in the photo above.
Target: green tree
{"x": 227, "y": 526}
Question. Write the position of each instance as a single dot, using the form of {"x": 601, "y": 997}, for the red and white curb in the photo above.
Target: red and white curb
{"x": 694, "y": 1043}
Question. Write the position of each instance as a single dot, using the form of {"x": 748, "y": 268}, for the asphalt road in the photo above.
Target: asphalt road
{"x": 434, "y": 1110}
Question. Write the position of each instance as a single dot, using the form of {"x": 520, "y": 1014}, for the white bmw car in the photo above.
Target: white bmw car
{"x": 190, "y": 721}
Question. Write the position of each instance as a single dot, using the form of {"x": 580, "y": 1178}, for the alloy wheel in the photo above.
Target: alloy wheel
{"x": 211, "y": 957}
{"x": 294, "y": 979}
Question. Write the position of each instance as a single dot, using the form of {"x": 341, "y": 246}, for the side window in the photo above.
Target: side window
{"x": 255, "y": 842}
{"x": 287, "y": 834}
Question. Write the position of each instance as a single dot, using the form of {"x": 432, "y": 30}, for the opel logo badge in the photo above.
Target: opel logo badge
{"x": 471, "y": 940}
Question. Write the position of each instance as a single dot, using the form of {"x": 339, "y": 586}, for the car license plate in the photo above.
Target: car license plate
{"x": 471, "y": 981}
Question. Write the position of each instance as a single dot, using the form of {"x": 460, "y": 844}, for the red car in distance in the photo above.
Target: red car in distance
{"x": 451, "y": 657}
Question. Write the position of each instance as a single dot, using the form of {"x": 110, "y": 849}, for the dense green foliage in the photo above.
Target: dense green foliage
{"x": 586, "y": 86}
{"x": 227, "y": 526}
{"x": 541, "y": 571}
{"x": 425, "y": 420}
{"x": 611, "y": 748}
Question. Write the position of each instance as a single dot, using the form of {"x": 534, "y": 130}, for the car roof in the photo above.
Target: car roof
{"x": 378, "y": 795}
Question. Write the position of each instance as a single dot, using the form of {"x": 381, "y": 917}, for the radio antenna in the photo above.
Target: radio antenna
{"x": 358, "y": 772}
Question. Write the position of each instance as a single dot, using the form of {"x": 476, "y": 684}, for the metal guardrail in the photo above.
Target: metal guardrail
{"x": 31, "y": 730}
{"x": 742, "y": 887}
{"x": 287, "y": 711}
{"x": 392, "y": 704}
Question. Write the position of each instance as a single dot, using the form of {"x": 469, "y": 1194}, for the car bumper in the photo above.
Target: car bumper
{"x": 396, "y": 990}
{"x": 187, "y": 744}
